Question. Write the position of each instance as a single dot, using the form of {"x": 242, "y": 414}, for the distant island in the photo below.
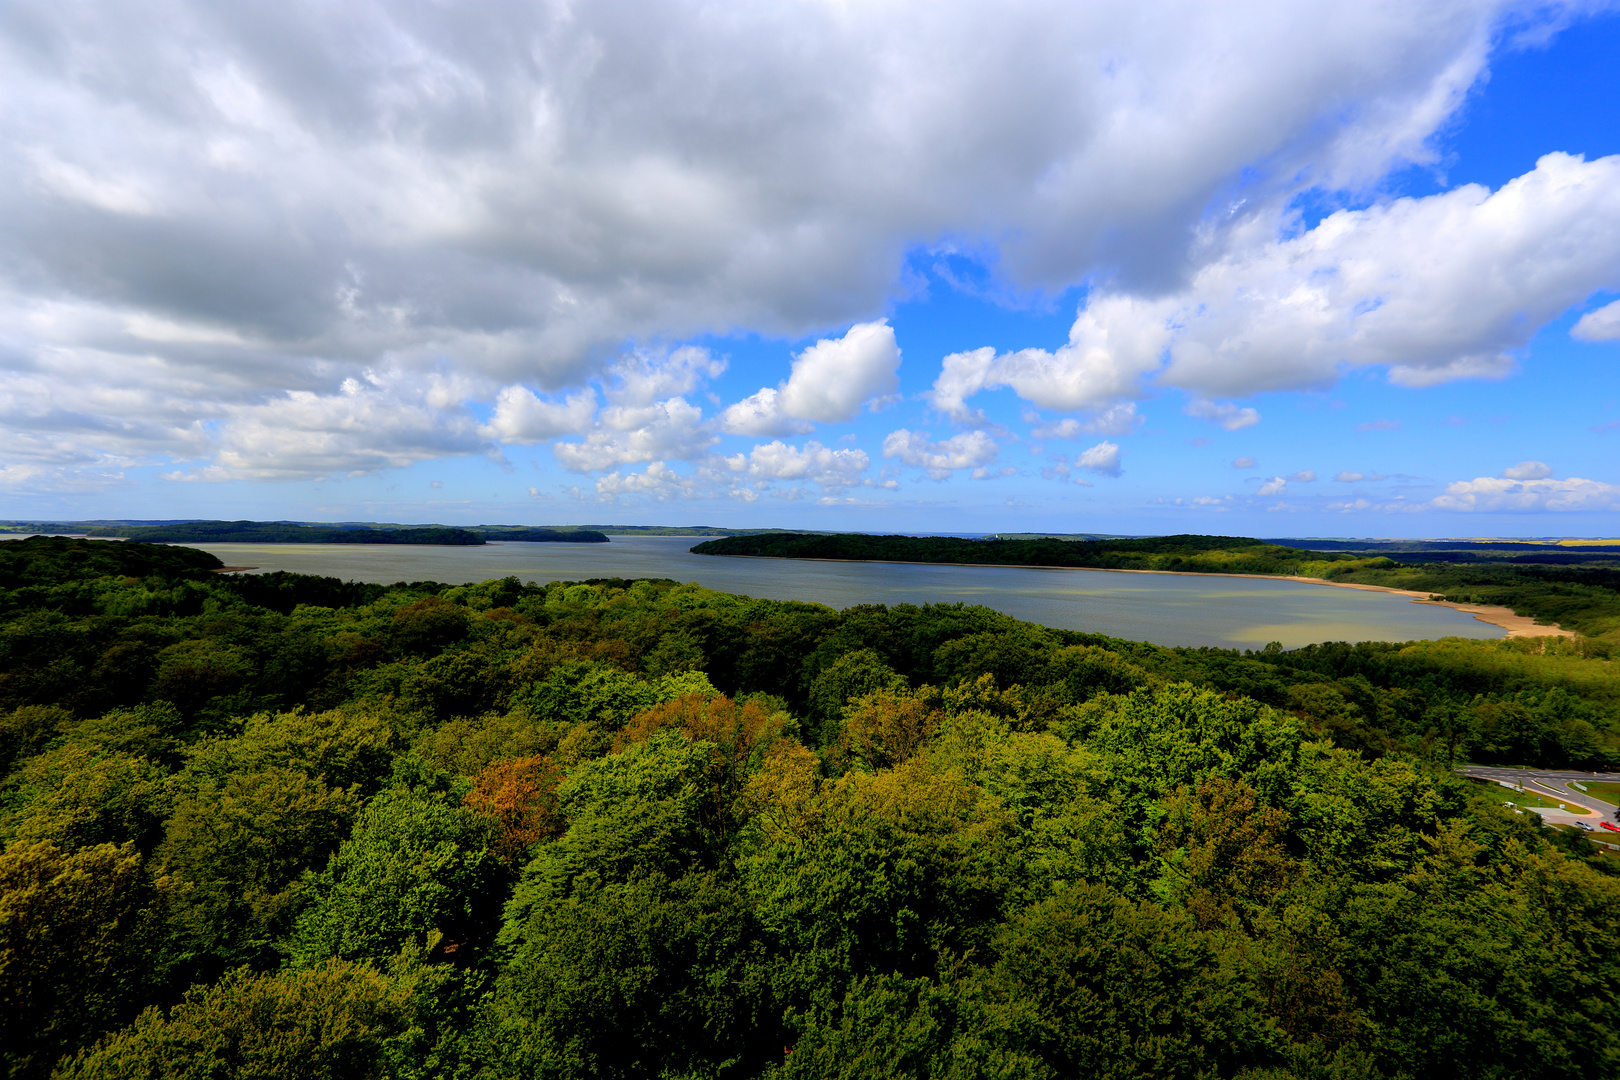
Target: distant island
{"x": 1525, "y": 587}
{"x": 179, "y": 531}
{"x": 1184, "y": 553}
{"x": 291, "y": 532}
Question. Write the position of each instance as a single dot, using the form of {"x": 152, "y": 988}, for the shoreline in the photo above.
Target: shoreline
{"x": 1517, "y": 626}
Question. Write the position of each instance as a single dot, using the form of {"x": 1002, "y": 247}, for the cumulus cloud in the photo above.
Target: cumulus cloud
{"x": 1275, "y": 486}
{"x": 1226, "y": 414}
{"x": 829, "y": 469}
{"x": 1531, "y": 495}
{"x": 969, "y": 450}
{"x": 1118, "y": 419}
{"x": 1294, "y": 312}
{"x": 1356, "y": 478}
{"x": 1114, "y": 342}
{"x": 1528, "y": 470}
{"x": 627, "y": 434}
{"x": 829, "y": 382}
{"x": 1243, "y": 463}
{"x": 642, "y": 376}
{"x": 1102, "y": 459}
{"x": 1600, "y": 325}
{"x": 657, "y": 480}
{"x": 382, "y": 421}
{"x": 306, "y": 192}
{"x": 1304, "y": 476}
{"x": 1275, "y": 311}
{"x": 522, "y": 417}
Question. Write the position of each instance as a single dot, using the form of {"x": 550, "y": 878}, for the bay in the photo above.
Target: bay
{"x": 1167, "y": 609}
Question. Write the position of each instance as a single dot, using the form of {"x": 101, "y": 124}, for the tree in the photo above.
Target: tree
{"x": 339, "y": 1020}
{"x": 80, "y": 947}
{"x": 417, "y": 865}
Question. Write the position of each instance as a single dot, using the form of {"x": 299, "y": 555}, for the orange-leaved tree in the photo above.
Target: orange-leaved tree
{"x": 521, "y": 795}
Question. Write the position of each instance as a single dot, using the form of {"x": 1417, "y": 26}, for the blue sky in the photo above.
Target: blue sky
{"x": 1300, "y": 272}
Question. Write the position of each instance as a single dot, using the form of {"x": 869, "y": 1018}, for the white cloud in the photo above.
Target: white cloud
{"x": 521, "y": 417}
{"x": 1275, "y": 486}
{"x": 1528, "y": 470}
{"x": 1496, "y": 267}
{"x": 829, "y": 469}
{"x": 1600, "y": 325}
{"x": 1226, "y": 414}
{"x": 657, "y": 480}
{"x": 642, "y": 377}
{"x": 1273, "y": 312}
{"x": 1102, "y": 459}
{"x": 628, "y": 434}
{"x": 1117, "y": 419}
{"x": 1356, "y": 478}
{"x": 307, "y": 192}
{"x": 968, "y": 450}
{"x": 761, "y": 414}
{"x": 829, "y": 382}
{"x": 1243, "y": 463}
{"x": 961, "y": 375}
{"x": 1114, "y": 342}
{"x": 1304, "y": 476}
{"x": 386, "y": 420}
{"x": 1530, "y": 496}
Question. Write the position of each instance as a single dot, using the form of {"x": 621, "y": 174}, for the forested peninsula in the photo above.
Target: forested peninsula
{"x": 281, "y": 825}
{"x": 288, "y": 532}
{"x": 1583, "y": 597}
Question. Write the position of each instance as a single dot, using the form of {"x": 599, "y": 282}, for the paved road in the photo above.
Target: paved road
{"x": 1552, "y": 784}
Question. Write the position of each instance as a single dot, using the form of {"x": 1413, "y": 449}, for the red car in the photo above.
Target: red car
{"x": 1606, "y": 825}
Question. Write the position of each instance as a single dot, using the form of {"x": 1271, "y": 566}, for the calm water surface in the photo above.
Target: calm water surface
{"x": 1167, "y": 609}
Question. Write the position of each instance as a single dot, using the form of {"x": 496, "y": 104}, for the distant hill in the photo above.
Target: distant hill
{"x": 292, "y": 532}
{"x": 1184, "y": 553}
{"x": 50, "y": 560}
{"x": 1521, "y": 552}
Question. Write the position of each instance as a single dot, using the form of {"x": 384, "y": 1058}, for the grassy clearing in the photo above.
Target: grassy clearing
{"x": 1609, "y": 793}
{"x": 1525, "y": 799}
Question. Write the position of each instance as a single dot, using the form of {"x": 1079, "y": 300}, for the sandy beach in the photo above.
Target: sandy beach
{"x": 1515, "y": 625}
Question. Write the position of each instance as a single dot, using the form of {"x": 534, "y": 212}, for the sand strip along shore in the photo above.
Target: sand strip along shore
{"x": 1515, "y": 625}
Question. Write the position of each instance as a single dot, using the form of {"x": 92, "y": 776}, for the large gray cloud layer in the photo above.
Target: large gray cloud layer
{"x": 250, "y": 236}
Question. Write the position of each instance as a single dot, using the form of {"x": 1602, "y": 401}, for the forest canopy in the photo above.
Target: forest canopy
{"x": 284, "y": 825}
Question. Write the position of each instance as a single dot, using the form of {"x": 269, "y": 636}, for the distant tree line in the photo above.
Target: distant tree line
{"x": 284, "y": 532}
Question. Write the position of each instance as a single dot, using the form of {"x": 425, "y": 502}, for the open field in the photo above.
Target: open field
{"x": 1526, "y": 799}
{"x": 1609, "y": 793}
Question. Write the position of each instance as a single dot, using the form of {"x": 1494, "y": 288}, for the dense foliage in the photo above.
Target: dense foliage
{"x": 292, "y": 826}
{"x": 54, "y": 560}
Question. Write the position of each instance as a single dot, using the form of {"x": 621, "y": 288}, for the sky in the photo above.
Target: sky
{"x": 1276, "y": 269}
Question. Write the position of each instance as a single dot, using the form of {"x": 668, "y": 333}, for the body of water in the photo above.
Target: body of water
{"x": 1168, "y": 609}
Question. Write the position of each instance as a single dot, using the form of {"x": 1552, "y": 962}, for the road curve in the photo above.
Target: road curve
{"x": 1552, "y": 783}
